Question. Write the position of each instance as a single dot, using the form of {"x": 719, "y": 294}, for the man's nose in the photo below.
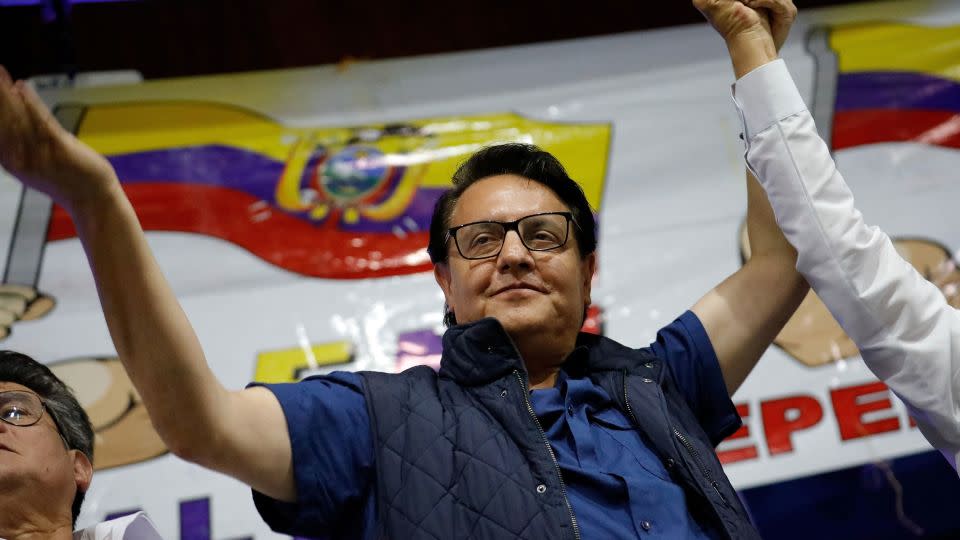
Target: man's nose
{"x": 514, "y": 253}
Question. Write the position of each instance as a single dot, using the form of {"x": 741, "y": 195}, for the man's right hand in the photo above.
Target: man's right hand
{"x": 44, "y": 156}
{"x": 240, "y": 433}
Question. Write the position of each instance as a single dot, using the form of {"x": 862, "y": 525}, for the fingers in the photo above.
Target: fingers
{"x": 780, "y": 8}
{"x": 40, "y": 120}
{"x": 702, "y": 5}
{"x": 20, "y": 106}
{"x": 26, "y": 127}
{"x": 782, "y": 12}
{"x": 781, "y": 15}
{"x": 8, "y": 98}
{"x": 13, "y": 127}
{"x": 35, "y": 106}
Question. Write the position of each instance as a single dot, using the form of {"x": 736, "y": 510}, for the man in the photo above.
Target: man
{"x": 905, "y": 328}
{"x": 46, "y": 451}
{"x": 529, "y": 430}
{"x": 46, "y": 455}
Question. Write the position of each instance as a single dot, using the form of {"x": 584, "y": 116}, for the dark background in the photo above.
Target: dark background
{"x": 191, "y": 37}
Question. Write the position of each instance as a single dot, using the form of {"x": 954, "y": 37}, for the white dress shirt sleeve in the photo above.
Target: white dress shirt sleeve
{"x": 907, "y": 333}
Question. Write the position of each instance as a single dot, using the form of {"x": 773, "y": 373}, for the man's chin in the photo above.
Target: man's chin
{"x": 11, "y": 477}
{"x": 517, "y": 323}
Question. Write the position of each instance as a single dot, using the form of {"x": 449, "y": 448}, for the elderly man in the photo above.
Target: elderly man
{"x": 529, "y": 430}
{"x": 46, "y": 451}
{"x": 46, "y": 454}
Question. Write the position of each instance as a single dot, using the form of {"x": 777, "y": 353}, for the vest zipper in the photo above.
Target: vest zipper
{"x": 703, "y": 469}
{"x": 556, "y": 464}
{"x": 683, "y": 440}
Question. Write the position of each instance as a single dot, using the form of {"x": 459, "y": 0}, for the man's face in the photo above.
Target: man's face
{"x": 35, "y": 465}
{"x": 527, "y": 291}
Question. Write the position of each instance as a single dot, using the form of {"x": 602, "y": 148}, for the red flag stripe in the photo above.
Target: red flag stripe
{"x": 871, "y": 126}
{"x": 276, "y": 237}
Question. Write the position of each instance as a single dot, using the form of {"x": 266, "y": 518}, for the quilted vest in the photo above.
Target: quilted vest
{"x": 461, "y": 454}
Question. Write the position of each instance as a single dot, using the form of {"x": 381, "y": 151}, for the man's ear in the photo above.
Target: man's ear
{"x": 82, "y": 470}
{"x": 441, "y": 272}
{"x": 589, "y": 269}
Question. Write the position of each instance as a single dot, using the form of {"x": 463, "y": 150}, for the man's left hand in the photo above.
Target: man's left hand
{"x": 754, "y": 30}
{"x": 780, "y": 15}
{"x": 755, "y": 20}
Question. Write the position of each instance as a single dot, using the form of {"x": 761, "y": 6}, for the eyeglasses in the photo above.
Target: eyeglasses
{"x": 19, "y": 408}
{"x": 538, "y": 232}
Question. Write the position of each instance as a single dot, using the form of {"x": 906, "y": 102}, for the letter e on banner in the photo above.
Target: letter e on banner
{"x": 744, "y": 452}
{"x": 852, "y": 403}
{"x": 782, "y": 417}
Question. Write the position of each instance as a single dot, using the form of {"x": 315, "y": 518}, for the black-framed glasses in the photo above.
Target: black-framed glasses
{"x": 538, "y": 232}
{"x": 19, "y": 408}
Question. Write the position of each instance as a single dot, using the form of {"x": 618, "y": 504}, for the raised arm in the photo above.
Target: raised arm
{"x": 907, "y": 333}
{"x": 240, "y": 433}
{"x": 746, "y": 311}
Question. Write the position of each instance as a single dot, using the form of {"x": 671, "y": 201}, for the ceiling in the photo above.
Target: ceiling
{"x": 174, "y": 38}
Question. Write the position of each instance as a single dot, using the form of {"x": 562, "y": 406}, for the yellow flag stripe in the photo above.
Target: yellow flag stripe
{"x": 898, "y": 47}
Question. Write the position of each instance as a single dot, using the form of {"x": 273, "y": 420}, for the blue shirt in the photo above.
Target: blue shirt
{"x": 617, "y": 486}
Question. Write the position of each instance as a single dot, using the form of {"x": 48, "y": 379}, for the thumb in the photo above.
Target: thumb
{"x": 40, "y": 118}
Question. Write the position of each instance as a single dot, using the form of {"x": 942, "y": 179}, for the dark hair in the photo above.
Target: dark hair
{"x": 64, "y": 409}
{"x": 527, "y": 161}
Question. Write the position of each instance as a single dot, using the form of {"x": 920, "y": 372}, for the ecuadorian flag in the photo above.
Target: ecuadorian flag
{"x": 897, "y": 83}
{"x": 327, "y": 202}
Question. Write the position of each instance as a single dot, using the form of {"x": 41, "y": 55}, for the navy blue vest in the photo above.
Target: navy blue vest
{"x": 460, "y": 453}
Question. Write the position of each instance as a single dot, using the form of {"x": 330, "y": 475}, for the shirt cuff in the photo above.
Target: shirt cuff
{"x": 765, "y": 96}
